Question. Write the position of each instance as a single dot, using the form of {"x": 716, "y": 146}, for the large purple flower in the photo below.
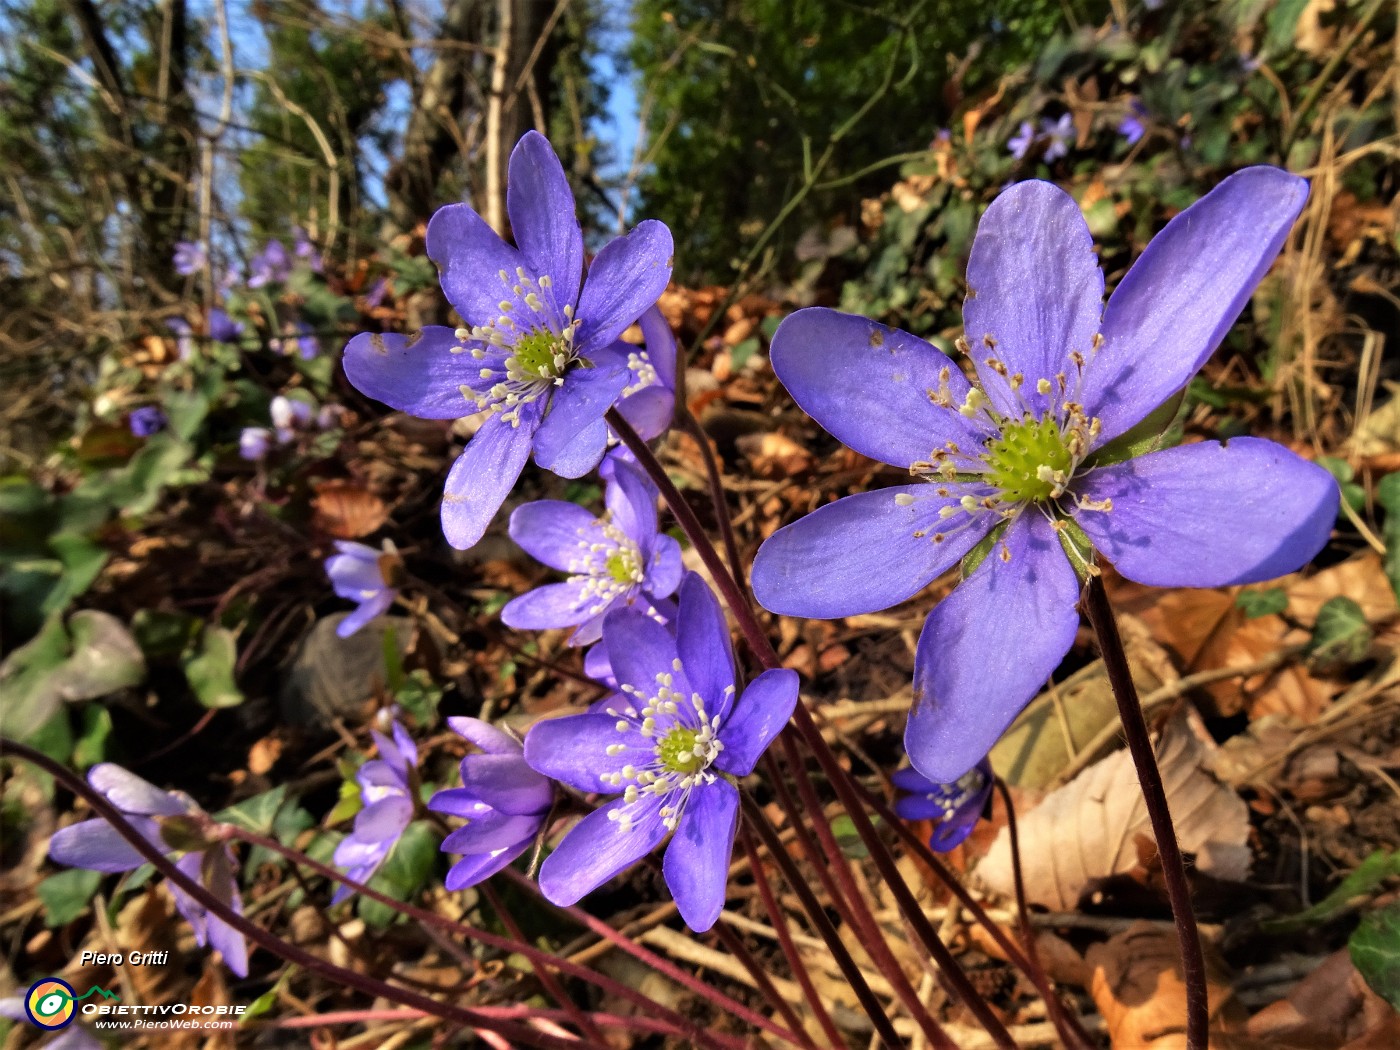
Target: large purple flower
{"x": 956, "y": 807}
{"x": 613, "y": 561}
{"x": 503, "y": 801}
{"x": 1024, "y": 456}
{"x": 164, "y": 818}
{"x": 362, "y": 574}
{"x": 671, "y": 742}
{"x": 538, "y": 348}
{"x": 386, "y": 789}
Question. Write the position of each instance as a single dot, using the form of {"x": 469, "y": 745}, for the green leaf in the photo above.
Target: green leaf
{"x": 210, "y": 671}
{"x": 844, "y": 828}
{"x": 1262, "y": 603}
{"x": 403, "y": 874}
{"x": 82, "y": 560}
{"x": 1388, "y": 496}
{"x": 164, "y": 635}
{"x": 1341, "y": 634}
{"x": 1375, "y": 951}
{"x": 1352, "y": 493}
{"x": 258, "y": 813}
{"x": 1356, "y": 888}
{"x": 91, "y": 746}
{"x": 66, "y": 895}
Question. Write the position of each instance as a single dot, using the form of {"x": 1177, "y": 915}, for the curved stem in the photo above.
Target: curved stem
{"x": 1096, "y": 607}
{"x": 717, "y": 496}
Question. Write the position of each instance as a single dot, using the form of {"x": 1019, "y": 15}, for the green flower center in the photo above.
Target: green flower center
{"x": 540, "y": 354}
{"x": 676, "y": 751}
{"x": 622, "y": 566}
{"x": 1030, "y": 461}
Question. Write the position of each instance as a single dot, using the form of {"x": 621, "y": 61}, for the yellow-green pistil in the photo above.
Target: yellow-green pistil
{"x": 541, "y": 354}
{"x": 622, "y": 566}
{"x": 677, "y": 751}
{"x": 1029, "y": 461}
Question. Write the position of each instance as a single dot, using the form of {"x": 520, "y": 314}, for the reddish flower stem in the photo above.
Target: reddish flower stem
{"x": 737, "y": 948}
{"x": 1096, "y": 606}
{"x": 717, "y": 495}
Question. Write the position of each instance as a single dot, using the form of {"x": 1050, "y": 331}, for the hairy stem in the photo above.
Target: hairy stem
{"x": 1095, "y": 604}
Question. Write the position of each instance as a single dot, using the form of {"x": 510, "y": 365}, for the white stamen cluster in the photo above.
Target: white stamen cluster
{"x": 952, "y": 797}
{"x": 522, "y": 358}
{"x": 643, "y": 372}
{"x": 608, "y": 564}
{"x": 676, "y": 739}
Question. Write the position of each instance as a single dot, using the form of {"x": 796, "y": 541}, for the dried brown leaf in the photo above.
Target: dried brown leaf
{"x": 1331, "y": 1009}
{"x": 346, "y": 510}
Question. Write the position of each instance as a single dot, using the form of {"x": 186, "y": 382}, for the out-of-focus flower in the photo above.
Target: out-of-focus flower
{"x": 1022, "y": 141}
{"x": 272, "y": 265}
{"x": 288, "y": 415}
{"x": 184, "y": 337}
{"x": 669, "y": 743}
{"x": 1025, "y": 457}
{"x": 190, "y": 257}
{"x": 171, "y": 821}
{"x": 386, "y": 789}
{"x": 503, "y": 801}
{"x": 366, "y": 576}
{"x": 377, "y": 292}
{"x": 613, "y": 561}
{"x": 254, "y": 443}
{"x": 1061, "y": 134}
{"x": 223, "y": 327}
{"x": 145, "y": 421}
{"x": 1134, "y": 123}
{"x": 956, "y": 807}
{"x": 305, "y": 250}
{"x": 538, "y": 349}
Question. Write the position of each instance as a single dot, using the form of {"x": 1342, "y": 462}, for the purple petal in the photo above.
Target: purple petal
{"x": 384, "y": 819}
{"x": 191, "y": 865}
{"x": 641, "y": 649}
{"x": 470, "y": 259}
{"x": 1210, "y": 514}
{"x": 418, "y": 374}
{"x": 664, "y": 576}
{"x": 660, "y": 346}
{"x": 542, "y": 220}
{"x": 484, "y": 735}
{"x": 223, "y": 937}
{"x": 631, "y": 502}
{"x": 473, "y": 869}
{"x": 505, "y": 783}
{"x": 758, "y": 717}
{"x": 583, "y": 453}
{"x": 458, "y": 802}
{"x": 860, "y": 554}
{"x": 96, "y": 846}
{"x": 869, "y": 385}
{"x": 580, "y": 403}
{"x": 1033, "y": 286}
{"x": 1182, "y": 295}
{"x": 626, "y": 278}
{"x": 988, "y": 647}
{"x": 574, "y": 750}
{"x": 368, "y": 610}
{"x": 697, "y": 859}
{"x": 551, "y": 531}
{"x": 130, "y": 794}
{"x": 490, "y": 833}
{"x": 483, "y": 476}
{"x": 402, "y": 753}
{"x": 702, "y": 641}
{"x": 597, "y": 666}
{"x": 597, "y": 848}
{"x": 547, "y": 607}
{"x": 648, "y": 411}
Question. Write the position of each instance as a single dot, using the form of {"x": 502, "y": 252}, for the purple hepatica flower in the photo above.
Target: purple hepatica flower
{"x": 254, "y": 443}
{"x": 377, "y": 293}
{"x": 304, "y": 249}
{"x": 670, "y": 743}
{"x": 503, "y": 801}
{"x": 613, "y": 561}
{"x": 184, "y": 337}
{"x": 145, "y": 421}
{"x": 1061, "y": 134}
{"x": 537, "y": 351}
{"x": 96, "y": 846}
{"x": 288, "y": 415}
{"x": 386, "y": 788}
{"x": 1020, "y": 143}
{"x": 190, "y": 257}
{"x": 361, "y": 574}
{"x": 956, "y": 806}
{"x": 1022, "y": 456}
{"x": 223, "y": 327}
{"x": 1134, "y": 123}
{"x": 649, "y": 398}
{"x": 272, "y": 265}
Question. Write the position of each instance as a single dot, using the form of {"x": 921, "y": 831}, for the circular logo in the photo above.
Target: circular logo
{"x": 50, "y": 1003}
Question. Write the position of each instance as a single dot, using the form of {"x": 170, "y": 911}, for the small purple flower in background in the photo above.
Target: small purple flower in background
{"x": 648, "y": 400}
{"x": 189, "y": 258}
{"x": 956, "y": 806}
{"x": 288, "y": 415}
{"x": 1025, "y": 455}
{"x": 330, "y": 417}
{"x": 669, "y": 742}
{"x": 613, "y": 561}
{"x": 96, "y": 846}
{"x": 503, "y": 801}
{"x": 1061, "y": 134}
{"x": 366, "y": 576}
{"x": 538, "y": 348}
{"x": 272, "y": 265}
{"x": 1022, "y": 141}
{"x": 1134, "y": 123}
{"x": 304, "y": 249}
{"x": 184, "y": 337}
{"x": 223, "y": 327}
{"x": 377, "y": 293}
{"x": 254, "y": 443}
{"x": 386, "y": 789}
{"x": 308, "y": 346}
{"x": 145, "y": 421}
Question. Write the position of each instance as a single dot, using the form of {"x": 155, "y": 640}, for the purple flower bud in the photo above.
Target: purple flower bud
{"x": 145, "y": 421}
{"x": 358, "y": 573}
{"x": 386, "y": 789}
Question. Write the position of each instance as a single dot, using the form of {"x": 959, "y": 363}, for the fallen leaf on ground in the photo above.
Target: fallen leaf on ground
{"x": 1331, "y": 1009}
{"x": 1087, "y": 829}
{"x": 347, "y": 511}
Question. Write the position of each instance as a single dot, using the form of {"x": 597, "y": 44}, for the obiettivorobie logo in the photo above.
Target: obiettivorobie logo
{"x": 52, "y": 1003}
